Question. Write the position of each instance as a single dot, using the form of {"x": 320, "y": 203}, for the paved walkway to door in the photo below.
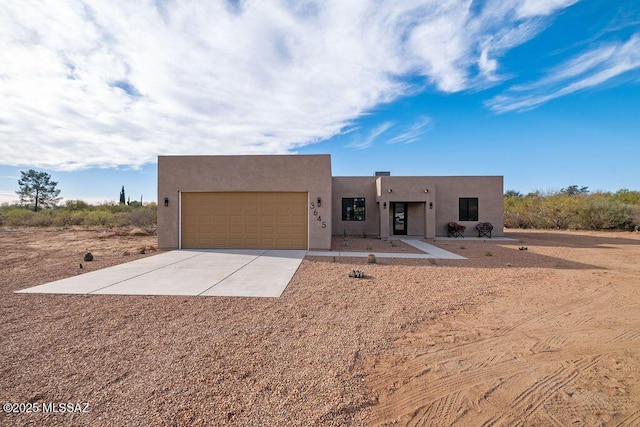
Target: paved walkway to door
{"x": 430, "y": 252}
{"x": 233, "y": 272}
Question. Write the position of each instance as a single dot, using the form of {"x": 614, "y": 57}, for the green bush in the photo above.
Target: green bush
{"x": 98, "y": 217}
{"x": 142, "y": 217}
{"x": 635, "y": 217}
{"x": 602, "y": 214}
{"x": 573, "y": 210}
{"x": 18, "y": 217}
{"x": 76, "y": 205}
{"x": 79, "y": 213}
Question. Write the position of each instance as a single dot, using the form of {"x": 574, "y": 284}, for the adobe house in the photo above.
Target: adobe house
{"x": 293, "y": 202}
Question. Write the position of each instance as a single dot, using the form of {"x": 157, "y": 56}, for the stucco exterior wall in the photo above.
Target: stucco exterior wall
{"x": 355, "y": 186}
{"x": 418, "y": 189}
{"x": 305, "y": 173}
{"x": 416, "y": 225}
{"x": 488, "y": 190}
{"x": 433, "y": 200}
{"x": 432, "y": 203}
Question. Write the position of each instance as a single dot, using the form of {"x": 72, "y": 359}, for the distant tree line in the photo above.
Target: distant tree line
{"x": 80, "y": 213}
{"x": 573, "y": 207}
{"x": 39, "y": 201}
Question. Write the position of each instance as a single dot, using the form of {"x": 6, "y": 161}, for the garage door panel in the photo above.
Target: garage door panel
{"x": 244, "y": 220}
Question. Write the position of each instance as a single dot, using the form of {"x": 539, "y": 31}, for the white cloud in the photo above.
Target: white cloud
{"x": 119, "y": 82}
{"x": 9, "y": 197}
{"x": 529, "y": 8}
{"x": 587, "y": 70}
{"x": 413, "y": 132}
{"x": 368, "y": 141}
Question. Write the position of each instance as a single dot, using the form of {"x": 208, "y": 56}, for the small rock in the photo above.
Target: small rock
{"x": 126, "y": 253}
{"x": 88, "y": 256}
{"x": 359, "y": 274}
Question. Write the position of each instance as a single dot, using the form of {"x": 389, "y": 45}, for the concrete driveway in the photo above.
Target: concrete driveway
{"x": 233, "y": 272}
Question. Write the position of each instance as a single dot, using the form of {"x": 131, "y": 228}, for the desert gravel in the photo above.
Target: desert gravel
{"x": 311, "y": 357}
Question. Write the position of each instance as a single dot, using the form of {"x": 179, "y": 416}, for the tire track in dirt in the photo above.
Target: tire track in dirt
{"x": 549, "y": 344}
{"x": 486, "y": 362}
{"x": 606, "y": 300}
{"x": 528, "y": 402}
{"x": 559, "y": 349}
{"x": 446, "y": 408}
{"x": 486, "y": 359}
{"x": 419, "y": 393}
{"x": 631, "y": 421}
{"x": 630, "y": 335}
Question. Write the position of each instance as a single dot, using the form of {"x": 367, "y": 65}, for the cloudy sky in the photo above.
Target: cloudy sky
{"x": 544, "y": 92}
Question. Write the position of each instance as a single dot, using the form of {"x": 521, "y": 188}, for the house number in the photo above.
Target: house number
{"x": 315, "y": 213}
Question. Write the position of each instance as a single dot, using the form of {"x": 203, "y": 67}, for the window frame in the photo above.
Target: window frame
{"x": 465, "y": 206}
{"x": 350, "y": 206}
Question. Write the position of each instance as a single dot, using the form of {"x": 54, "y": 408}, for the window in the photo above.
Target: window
{"x": 353, "y": 209}
{"x": 468, "y": 209}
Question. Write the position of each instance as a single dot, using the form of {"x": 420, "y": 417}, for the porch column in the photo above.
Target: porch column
{"x": 384, "y": 219}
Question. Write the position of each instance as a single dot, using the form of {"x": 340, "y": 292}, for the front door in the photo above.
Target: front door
{"x": 399, "y": 218}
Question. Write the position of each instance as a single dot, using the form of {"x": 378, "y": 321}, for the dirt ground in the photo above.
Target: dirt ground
{"x": 549, "y": 335}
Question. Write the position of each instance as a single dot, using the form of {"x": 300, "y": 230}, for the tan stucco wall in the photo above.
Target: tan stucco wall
{"x": 416, "y": 219}
{"x": 355, "y": 186}
{"x": 307, "y": 173}
{"x": 428, "y": 211}
{"x": 488, "y": 190}
{"x": 418, "y": 189}
{"x": 433, "y": 202}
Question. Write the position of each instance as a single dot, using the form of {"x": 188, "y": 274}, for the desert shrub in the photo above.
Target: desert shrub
{"x": 142, "y": 217}
{"x": 573, "y": 208}
{"x": 558, "y": 211}
{"x": 18, "y": 217}
{"x": 42, "y": 219}
{"x": 627, "y": 197}
{"x": 65, "y": 218}
{"x": 516, "y": 220}
{"x": 79, "y": 213}
{"x": 98, "y": 217}
{"x": 520, "y": 212}
{"x": 115, "y": 207}
{"x": 76, "y": 205}
{"x": 120, "y": 219}
{"x": 635, "y": 217}
{"x": 22, "y": 217}
{"x": 598, "y": 213}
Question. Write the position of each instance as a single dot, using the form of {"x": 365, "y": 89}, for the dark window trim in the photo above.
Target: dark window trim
{"x": 353, "y": 209}
{"x": 468, "y": 209}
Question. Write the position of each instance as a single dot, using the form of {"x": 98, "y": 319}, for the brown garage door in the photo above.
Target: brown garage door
{"x": 244, "y": 220}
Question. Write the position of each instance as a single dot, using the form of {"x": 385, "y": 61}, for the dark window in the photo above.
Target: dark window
{"x": 468, "y": 209}
{"x": 353, "y": 209}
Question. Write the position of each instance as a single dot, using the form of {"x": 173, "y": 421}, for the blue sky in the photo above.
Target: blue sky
{"x": 543, "y": 92}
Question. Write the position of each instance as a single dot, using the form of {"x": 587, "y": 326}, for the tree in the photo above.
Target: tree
{"x": 512, "y": 193}
{"x": 122, "y": 196}
{"x": 38, "y": 189}
{"x": 574, "y": 190}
